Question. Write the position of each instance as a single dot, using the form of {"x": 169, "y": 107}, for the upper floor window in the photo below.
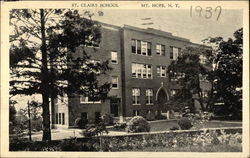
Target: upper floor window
{"x": 84, "y": 99}
{"x": 136, "y": 96}
{"x": 149, "y": 96}
{"x": 174, "y": 52}
{"x": 114, "y": 58}
{"x": 114, "y": 82}
{"x": 141, "y": 47}
{"x": 161, "y": 71}
{"x": 141, "y": 70}
{"x": 160, "y": 49}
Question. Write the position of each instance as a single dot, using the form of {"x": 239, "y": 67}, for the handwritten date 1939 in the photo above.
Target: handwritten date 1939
{"x": 206, "y": 12}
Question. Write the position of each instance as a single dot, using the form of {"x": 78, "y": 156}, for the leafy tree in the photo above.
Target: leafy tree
{"x": 186, "y": 70}
{"x": 43, "y": 43}
{"x": 226, "y": 77}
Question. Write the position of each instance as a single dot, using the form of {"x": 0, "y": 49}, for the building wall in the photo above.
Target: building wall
{"x": 119, "y": 39}
{"x": 110, "y": 42}
{"x": 155, "y": 60}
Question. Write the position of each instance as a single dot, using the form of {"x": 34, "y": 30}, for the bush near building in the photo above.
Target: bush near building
{"x": 138, "y": 124}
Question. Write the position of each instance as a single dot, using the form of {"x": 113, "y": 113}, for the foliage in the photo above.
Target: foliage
{"x": 174, "y": 128}
{"x": 138, "y": 124}
{"x": 108, "y": 119}
{"x": 120, "y": 126}
{"x": 185, "y": 123}
{"x": 186, "y": 71}
{"x": 150, "y": 116}
{"x": 226, "y": 77}
{"x": 95, "y": 130}
{"x": 202, "y": 140}
{"x": 42, "y": 44}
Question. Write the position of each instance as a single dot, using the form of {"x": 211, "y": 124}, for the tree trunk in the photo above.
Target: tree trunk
{"x": 45, "y": 84}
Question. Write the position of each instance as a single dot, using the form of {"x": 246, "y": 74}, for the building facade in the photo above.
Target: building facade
{"x": 139, "y": 59}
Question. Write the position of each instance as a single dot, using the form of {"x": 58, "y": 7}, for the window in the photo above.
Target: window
{"x": 114, "y": 58}
{"x": 149, "y": 96}
{"x": 161, "y": 71}
{"x": 141, "y": 47}
{"x": 56, "y": 118}
{"x": 141, "y": 71}
{"x": 138, "y": 45}
{"x": 160, "y": 49}
{"x": 136, "y": 96}
{"x": 133, "y": 47}
{"x": 63, "y": 119}
{"x": 144, "y": 48}
{"x": 136, "y": 112}
{"x": 203, "y": 59}
{"x": 114, "y": 82}
{"x": 59, "y": 122}
{"x": 174, "y": 52}
{"x": 84, "y": 99}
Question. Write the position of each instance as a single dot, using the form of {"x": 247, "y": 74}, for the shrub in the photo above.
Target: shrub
{"x": 94, "y": 130}
{"x": 108, "y": 119}
{"x": 185, "y": 123}
{"x": 150, "y": 116}
{"x": 138, "y": 124}
{"x": 120, "y": 126}
{"x": 160, "y": 117}
{"x": 174, "y": 128}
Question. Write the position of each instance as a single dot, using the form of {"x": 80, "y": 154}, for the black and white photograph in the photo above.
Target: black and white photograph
{"x": 152, "y": 76}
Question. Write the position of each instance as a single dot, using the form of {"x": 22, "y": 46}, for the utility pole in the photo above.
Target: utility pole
{"x": 29, "y": 121}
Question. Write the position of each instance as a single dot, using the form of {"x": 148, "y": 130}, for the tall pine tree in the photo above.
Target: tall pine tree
{"x": 42, "y": 44}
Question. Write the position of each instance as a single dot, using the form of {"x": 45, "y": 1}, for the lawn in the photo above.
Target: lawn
{"x": 166, "y": 125}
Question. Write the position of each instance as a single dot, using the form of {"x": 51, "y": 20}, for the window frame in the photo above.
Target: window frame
{"x": 117, "y": 82}
{"x": 86, "y": 101}
{"x": 115, "y": 55}
{"x": 149, "y": 98}
{"x": 137, "y": 47}
{"x": 136, "y": 98}
{"x": 161, "y": 51}
{"x": 141, "y": 71}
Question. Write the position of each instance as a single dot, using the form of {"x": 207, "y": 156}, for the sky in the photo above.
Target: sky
{"x": 178, "y": 22}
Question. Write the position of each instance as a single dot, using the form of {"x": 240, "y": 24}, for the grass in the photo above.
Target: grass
{"x": 207, "y": 148}
{"x": 166, "y": 125}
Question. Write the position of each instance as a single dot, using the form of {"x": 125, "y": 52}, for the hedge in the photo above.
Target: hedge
{"x": 138, "y": 141}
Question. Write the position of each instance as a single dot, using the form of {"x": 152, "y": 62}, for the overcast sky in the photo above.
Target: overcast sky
{"x": 178, "y": 22}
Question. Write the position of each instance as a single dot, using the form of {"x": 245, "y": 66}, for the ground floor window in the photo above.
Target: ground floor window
{"x": 136, "y": 96}
{"x": 136, "y": 112}
{"x": 60, "y": 118}
{"x": 149, "y": 95}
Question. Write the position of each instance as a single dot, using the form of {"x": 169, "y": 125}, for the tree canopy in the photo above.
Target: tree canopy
{"x": 43, "y": 43}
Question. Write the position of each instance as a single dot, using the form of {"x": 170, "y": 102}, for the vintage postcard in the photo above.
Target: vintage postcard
{"x": 124, "y": 79}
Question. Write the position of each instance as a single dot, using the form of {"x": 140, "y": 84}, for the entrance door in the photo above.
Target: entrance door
{"x": 114, "y": 107}
{"x": 162, "y": 99}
